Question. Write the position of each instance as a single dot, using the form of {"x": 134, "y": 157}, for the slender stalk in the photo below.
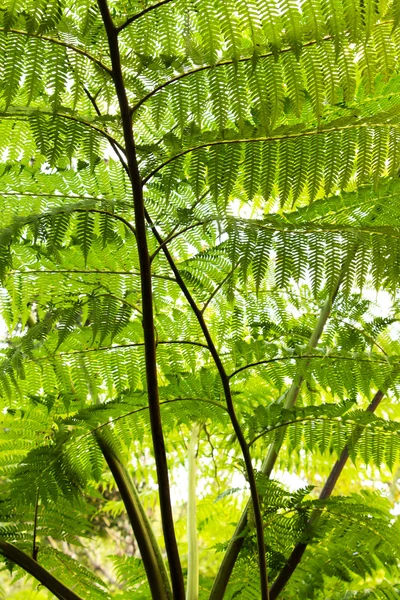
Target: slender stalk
{"x": 31, "y": 566}
{"x": 192, "y": 587}
{"x": 59, "y": 42}
{"x": 273, "y": 138}
{"x": 236, "y": 542}
{"x": 231, "y": 410}
{"x": 35, "y": 548}
{"x": 140, "y": 14}
{"x": 153, "y": 562}
{"x": 147, "y": 307}
{"x": 298, "y": 551}
{"x": 223, "y": 63}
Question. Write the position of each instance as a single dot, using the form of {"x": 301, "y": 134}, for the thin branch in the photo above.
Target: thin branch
{"x": 69, "y": 117}
{"x": 117, "y": 347}
{"x": 273, "y": 138}
{"x": 31, "y": 566}
{"x": 235, "y": 544}
{"x": 147, "y": 308}
{"x": 140, "y": 14}
{"x": 231, "y": 409}
{"x": 217, "y": 289}
{"x": 229, "y": 62}
{"x": 143, "y": 408}
{"x": 58, "y": 42}
{"x": 85, "y": 272}
{"x": 68, "y": 209}
{"x": 177, "y": 234}
{"x": 35, "y": 549}
{"x": 309, "y": 357}
{"x": 216, "y": 66}
{"x": 59, "y": 196}
{"x": 297, "y": 553}
{"x": 117, "y": 151}
{"x": 313, "y": 419}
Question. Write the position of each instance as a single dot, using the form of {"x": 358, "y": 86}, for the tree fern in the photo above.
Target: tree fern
{"x": 200, "y": 202}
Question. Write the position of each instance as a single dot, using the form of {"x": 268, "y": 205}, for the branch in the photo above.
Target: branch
{"x": 298, "y": 551}
{"x": 32, "y": 567}
{"x": 273, "y": 138}
{"x": 68, "y": 210}
{"x": 143, "y": 408}
{"x": 58, "y": 42}
{"x": 84, "y": 272}
{"x": 35, "y": 549}
{"x": 307, "y": 357}
{"x": 192, "y": 592}
{"x": 177, "y": 234}
{"x": 223, "y": 63}
{"x": 141, "y": 14}
{"x": 217, "y": 289}
{"x": 230, "y": 407}
{"x": 20, "y": 114}
{"x": 147, "y": 308}
{"x": 96, "y": 108}
{"x": 157, "y": 575}
{"x": 235, "y": 544}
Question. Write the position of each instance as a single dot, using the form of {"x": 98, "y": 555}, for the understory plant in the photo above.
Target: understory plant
{"x": 199, "y": 257}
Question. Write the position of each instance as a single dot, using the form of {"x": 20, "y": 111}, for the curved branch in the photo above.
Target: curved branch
{"x": 231, "y": 410}
{"x": 58, "y": 42}
{"x": 177, "y": 234}
{"x": 273, "y": 138}
{"x": 85, "y": 272}
{"x": 308, "y": 357}
{"x": 217, "y": 289}
{"x": 140, "y": 14}
{"x": 143, "y": 408}
{"x": 31, "y": 566}
{"x": 223, "y": 63}
{"x": 355, "y": 436}
{"x": 156, "y": 572}
{"x": 117, "y": 347}
{"x": 70, "y": 117}
{"x": 298, "y": 551}
{"x": 68, "y": 209}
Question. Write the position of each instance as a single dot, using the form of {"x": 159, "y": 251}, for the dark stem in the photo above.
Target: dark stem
{"x": 150, "y": 553}
{"x": 32, "y": 567}
{"x": 223, "y": 63}
{"x": 140, "y": 14}
{"x": 171, "y": 545}
{"x": 231, "y": 410}
{"x": 235, "y": 544}
{"x": 35, "y": 549}
{"x": 298, "y": 551}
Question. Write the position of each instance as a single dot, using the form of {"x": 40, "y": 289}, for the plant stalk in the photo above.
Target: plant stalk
{"x": 171, "y": 545}
{"x": 231, "y": 410}
{"x": 298, "y": 551}
{"x": 149, "y": 550}
{"x": 236, "y": 542}
{"x": 31, "y": 566}
{"x": 192, "y": 587}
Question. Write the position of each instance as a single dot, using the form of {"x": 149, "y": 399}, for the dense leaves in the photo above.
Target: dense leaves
{"x": 267, "y": 148}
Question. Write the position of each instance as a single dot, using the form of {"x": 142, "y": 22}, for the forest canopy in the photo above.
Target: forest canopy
{"x": 199, "y": 265}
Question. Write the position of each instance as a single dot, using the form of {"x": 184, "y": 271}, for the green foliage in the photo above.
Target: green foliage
{"x": 268, "y": 150}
